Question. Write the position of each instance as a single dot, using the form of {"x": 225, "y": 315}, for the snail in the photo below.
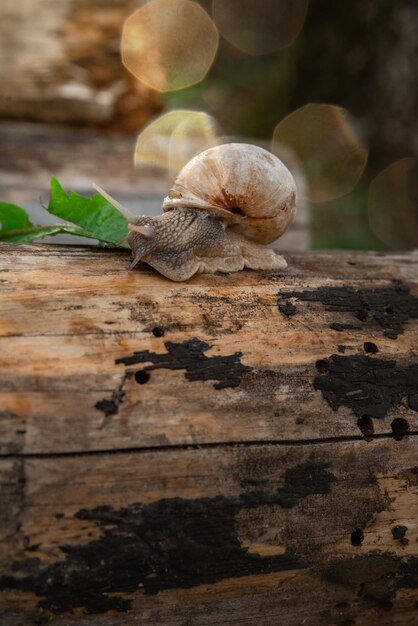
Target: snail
{"x": 224, "y": 206}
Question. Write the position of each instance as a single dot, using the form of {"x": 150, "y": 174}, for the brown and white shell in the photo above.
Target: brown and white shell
{"x": 242, "y": 183}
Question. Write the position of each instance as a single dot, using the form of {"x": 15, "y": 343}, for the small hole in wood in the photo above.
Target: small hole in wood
{"x": 158, "y": 332}
{"x": 142, "y": 377}
{"x": 365, "y": 424}
{"x": 357, "y": 537}
{"x": 400, "y": 427}
{"x": 370, "y": 347}
{"x": 389, "y": 310}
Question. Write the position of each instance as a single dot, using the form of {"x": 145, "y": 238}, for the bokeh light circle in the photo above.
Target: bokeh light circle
{"x": 258, "y": 27}
{"x": 329, "y": 147}
{"x": 169, "y": 44}
{"x": 393, "y": 205}
{"x": 174, "y": 138}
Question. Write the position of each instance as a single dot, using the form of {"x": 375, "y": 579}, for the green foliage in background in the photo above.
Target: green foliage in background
{"x": 92, "y": 217}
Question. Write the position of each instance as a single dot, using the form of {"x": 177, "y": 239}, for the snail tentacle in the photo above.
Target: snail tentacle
{"x": 146, "y": 231}
{"x": 125, "y": 212}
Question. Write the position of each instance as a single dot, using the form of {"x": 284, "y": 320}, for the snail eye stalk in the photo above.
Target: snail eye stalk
{"x": 125, "y": 212}
{"x": 146, "y": 231}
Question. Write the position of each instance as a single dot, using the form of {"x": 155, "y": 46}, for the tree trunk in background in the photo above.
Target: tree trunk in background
{"x": 362, "y": 55}
{"x": 60, "y": 62}
{"x": 359, "y": 55}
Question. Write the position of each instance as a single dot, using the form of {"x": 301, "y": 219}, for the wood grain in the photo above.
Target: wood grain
{"x": 212, "y": 536}
{"x": 68, "y": 314}
{"x": 231, "y": 449}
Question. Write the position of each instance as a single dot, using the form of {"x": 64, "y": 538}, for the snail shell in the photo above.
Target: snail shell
{"x": 225, "y": 203}
{"x": 238, "y": 180}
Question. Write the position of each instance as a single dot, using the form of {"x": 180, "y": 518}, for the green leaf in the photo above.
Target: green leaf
{"x": 31, "y": 233}
{"x": 95, "y": 216}
{"x": 12, "y": 217}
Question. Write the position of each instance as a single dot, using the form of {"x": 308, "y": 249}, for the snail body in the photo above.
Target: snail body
{"x": 224, "y": 206}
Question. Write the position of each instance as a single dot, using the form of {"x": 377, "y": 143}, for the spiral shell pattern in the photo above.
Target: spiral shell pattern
{"x": 242, "y": 183}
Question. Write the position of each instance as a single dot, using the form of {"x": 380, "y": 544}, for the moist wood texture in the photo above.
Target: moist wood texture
{"x": 231, "y": 449}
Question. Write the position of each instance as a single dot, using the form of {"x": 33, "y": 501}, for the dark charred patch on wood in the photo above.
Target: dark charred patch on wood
{"x": 390, "y": 307}
{"x": 399, "y": 532}
{"x": 341, "y": 348}
{"x": 190, "y": 356}
{"x": 375, "y": 577}
{"x": 171, "y": 543}
{"x": 287, "y": 308}
{"x": 354, "y": 502}
{"x": 413, "y": 402}
{"x": 304, "y": 480}
{"x": 322, "y": 365}
{"x": 298, "y": 482}
{"x": 341, "y": 327}
{"x": 366, "y": 385}
{"x": 110, "y": 406}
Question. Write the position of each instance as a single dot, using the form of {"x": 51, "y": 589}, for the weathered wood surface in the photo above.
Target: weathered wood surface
{"x": 231, "y": 449}
{"x": 77, "y": 157}
{"x": 60, "y": 62}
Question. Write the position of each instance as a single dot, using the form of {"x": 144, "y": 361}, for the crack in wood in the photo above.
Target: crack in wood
{"x": 202, "y": 446}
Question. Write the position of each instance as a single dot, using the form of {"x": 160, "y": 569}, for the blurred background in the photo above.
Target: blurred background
{"x": 331, "y": 87}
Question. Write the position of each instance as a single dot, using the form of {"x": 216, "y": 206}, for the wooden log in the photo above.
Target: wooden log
{"x": 60, "y": 63}
{"x": 230, "y": 449}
